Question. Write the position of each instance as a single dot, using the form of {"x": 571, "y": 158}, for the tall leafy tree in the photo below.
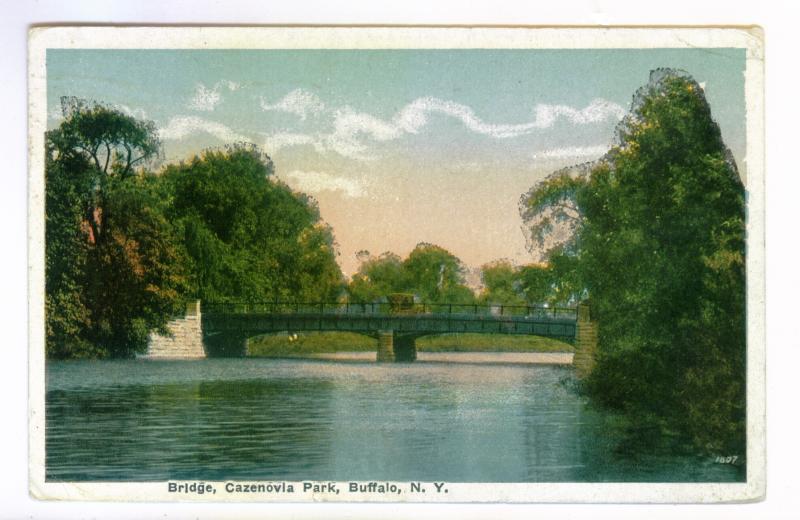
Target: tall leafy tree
{"x": 67, "y": 316}
{"x": 436, "y": 275}
{"x": 248, "y": 236}
{"x": 659, "y": 248}
{"x": 137, "y": 278}
{"x": 319, "y": 277}
{"x": 377, "y": 277}
{"x": 113, "y": 272}
{"x": 111, "y": 143}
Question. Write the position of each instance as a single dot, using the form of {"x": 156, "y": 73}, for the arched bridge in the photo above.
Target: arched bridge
{"x": 227, "y": 326}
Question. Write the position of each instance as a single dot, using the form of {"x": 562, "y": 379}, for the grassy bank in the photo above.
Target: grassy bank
{"x": 490, "y": 343}
{"x": 280, "y": 345}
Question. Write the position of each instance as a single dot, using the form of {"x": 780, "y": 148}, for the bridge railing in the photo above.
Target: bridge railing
{"x": 385, "y": 308}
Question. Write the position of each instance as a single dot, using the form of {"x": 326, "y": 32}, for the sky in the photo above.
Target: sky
{"x": 399, "y": 146}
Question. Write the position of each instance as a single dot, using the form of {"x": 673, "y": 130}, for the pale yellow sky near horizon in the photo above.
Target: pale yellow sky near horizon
{"x": 479, "y": 222}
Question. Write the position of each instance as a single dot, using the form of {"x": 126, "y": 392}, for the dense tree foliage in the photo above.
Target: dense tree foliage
{"x": 247, "y": 236}
{"x": 112, "y": 268}
{"x": 436, "y": 275}
{"x": 533, "y": 284}
{"x": 501, "y": 284}
{"x": 126, "y": 247}
{"x": 377, "y": 277}
{"x": 137, "y": 278}
{"x": 430, "y": 272}
{"x": 67, "y": 194}
{"x": 659, "y": 249}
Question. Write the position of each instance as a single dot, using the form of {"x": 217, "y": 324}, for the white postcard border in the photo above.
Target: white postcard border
{"x": 271, "y": 37}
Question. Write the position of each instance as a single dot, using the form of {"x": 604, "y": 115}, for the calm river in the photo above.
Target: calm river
{"x": 227, "y": 419}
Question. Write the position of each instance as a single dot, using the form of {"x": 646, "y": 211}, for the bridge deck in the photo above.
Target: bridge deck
{"x": 370, "y": 318}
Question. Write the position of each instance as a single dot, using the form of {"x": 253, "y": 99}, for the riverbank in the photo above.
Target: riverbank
{"x": 314, "y": 344}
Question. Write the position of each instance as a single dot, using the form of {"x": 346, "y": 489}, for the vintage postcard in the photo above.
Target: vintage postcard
{"x": 396, "y": 264}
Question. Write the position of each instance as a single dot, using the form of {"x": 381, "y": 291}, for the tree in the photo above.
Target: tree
{"x": 658, "y": 246}
{"x": 430, "y": 272}
{"x": 110, "y": 142}
{"x": 247, "y": 236}
{"x": 663, "y": 243}
{"x": 566, "y": 282}
{"x": 555, "y": 283}
{"x": 67, "y": 317}
{"x": 551, "y": 212}
{"x": 320, "y": 278}
{"x": 501, "y": 283}
{"x": 137, "y": 280}
{"x": 377, "y": 277}
{"x": 107, "y": 243}
{"x": 535, "y": 284}
{"x": 125, "y": 248}
{"x": 436, "y": 275}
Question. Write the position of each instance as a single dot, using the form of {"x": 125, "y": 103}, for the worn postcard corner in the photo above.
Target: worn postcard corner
{"x": 396, "y": 264}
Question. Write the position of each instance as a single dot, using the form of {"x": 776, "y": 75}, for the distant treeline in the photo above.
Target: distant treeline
{"x": 435, "y": 275}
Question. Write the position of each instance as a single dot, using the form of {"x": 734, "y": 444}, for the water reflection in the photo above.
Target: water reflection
{"x": 220, "y": 429}
{"x": 294, "y": 420}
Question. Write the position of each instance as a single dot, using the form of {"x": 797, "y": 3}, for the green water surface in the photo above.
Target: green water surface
{"x": 266, "y": 419}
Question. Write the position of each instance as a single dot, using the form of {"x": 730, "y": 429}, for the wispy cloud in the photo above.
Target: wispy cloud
{"x": 275, "y": 142}
{"x": 206, "y": 99}
{"x": 184, "y": 126}
{"x": 349, "y": 127}
{"x": 315, "y": 182}
{"x": 352, "y": 133}
{"x": 572, "y": 152}
{"x": 415, "y": 115}
{"x": 299, "y": 102}
{"x": 352, "y": 130}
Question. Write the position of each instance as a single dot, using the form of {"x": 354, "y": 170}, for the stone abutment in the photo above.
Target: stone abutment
{"x": 185, "y": 340}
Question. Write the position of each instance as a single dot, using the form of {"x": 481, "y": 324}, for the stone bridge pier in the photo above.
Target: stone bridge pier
{"x": 394, "y": 347}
